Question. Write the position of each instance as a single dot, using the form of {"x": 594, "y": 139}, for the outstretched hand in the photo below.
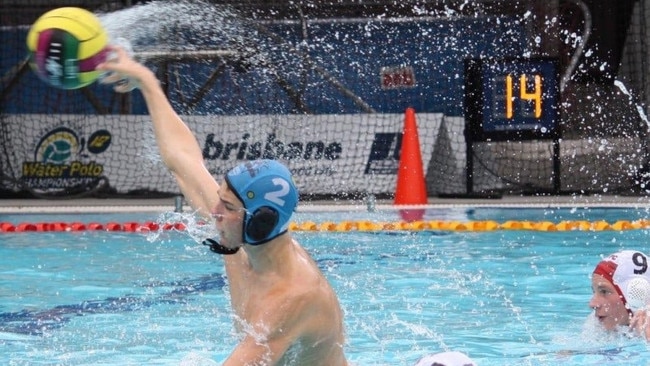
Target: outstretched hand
{"x": 121, "y": 70}
{"x": 640, "y": 323}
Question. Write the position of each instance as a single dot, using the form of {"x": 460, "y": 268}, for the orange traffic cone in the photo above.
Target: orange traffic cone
{"x": 411, "y": 188}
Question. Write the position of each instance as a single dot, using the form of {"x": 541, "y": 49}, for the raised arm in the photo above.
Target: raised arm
{"x": 178, "y": 146}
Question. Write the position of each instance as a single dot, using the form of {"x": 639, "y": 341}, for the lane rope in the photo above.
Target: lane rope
{"x": 343, "y": 226}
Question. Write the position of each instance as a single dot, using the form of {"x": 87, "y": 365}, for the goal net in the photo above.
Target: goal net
{"x": 325, "y": 96}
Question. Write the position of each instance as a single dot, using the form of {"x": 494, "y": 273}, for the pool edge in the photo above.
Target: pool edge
{"x": 85, "y": 205}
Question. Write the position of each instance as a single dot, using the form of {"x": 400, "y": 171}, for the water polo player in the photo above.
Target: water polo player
{"x": 621, "y": 292}
{"x": 286, "y": 311}
{"x": 449, "y": 358}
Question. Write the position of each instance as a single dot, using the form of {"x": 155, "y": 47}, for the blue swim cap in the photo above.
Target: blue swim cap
{"x": 268, "y": 193}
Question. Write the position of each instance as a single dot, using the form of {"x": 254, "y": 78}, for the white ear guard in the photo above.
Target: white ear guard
{"x": 637, "y": 293}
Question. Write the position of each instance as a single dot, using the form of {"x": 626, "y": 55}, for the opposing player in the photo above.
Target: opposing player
{"x": 449, "y": 358}
{"x": 285, "y": 309}
{"x": 621, "y": 292}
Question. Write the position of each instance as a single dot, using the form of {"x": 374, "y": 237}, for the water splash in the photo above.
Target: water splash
{"x": 187, "y": 25}
{"x": 195, "y": 227}
{"x": 619, "y": 84}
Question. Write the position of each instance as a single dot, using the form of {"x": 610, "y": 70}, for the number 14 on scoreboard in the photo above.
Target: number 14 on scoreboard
{"x": 512, "y": 98}
{"x": 533, "y": 96}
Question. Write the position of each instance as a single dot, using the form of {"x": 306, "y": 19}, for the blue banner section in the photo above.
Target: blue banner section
{"x": 332, "y": 68}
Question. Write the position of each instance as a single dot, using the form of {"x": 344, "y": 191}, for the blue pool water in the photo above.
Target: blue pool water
{"x": 503, "y": 297}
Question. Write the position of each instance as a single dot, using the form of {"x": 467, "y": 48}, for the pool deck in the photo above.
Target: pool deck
{"x": 85, "y": 205}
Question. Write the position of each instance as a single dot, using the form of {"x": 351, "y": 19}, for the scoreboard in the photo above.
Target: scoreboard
{"x": 512, "y": 99}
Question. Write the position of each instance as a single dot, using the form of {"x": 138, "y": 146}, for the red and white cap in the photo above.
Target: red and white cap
{"x": 628, "y": 271}
{"x": 451, "y": 358}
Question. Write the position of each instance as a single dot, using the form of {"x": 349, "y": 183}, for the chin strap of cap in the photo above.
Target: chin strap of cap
{"x": 218, "y": 248}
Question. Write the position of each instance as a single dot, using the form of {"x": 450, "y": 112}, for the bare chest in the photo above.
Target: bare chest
{"x": 249, "y": 295}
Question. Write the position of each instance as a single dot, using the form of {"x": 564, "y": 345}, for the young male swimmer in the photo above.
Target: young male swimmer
{"x": 621, "y": 292}
{"x": 286, "y": 310}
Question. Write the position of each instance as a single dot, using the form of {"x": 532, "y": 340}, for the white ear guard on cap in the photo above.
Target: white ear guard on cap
{"x": 637, "y": 293}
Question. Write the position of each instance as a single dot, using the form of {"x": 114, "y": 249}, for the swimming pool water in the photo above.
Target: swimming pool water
{"x": 503, "y": 297}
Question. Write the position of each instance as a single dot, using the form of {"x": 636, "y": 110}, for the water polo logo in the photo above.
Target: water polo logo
{"x": 60, "y": 162}
{"x": 57, "y": 147}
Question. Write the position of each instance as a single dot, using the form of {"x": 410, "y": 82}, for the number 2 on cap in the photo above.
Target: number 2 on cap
{"x": 276, "y": 196}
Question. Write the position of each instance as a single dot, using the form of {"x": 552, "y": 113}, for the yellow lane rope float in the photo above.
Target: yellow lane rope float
{"x": 487, "y": 225}
{"x": 348, "y": 226}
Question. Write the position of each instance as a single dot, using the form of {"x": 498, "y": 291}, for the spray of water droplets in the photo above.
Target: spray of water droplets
{"x": 639, "y": 108}
{"x": 183, "y": 25}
